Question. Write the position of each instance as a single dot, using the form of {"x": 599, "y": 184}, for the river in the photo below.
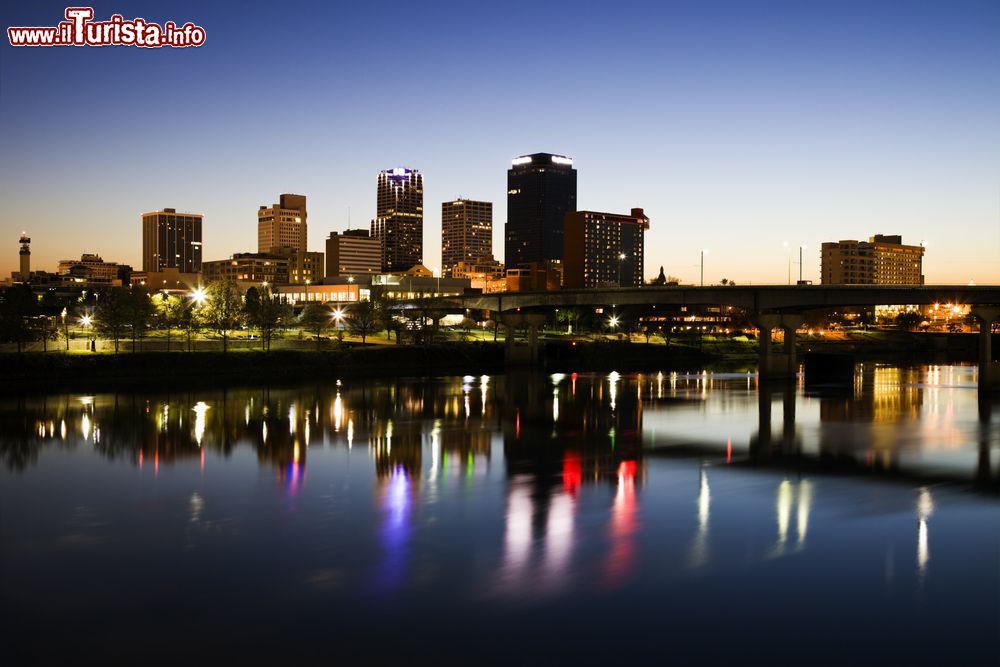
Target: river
{"x": 520, "y": 519}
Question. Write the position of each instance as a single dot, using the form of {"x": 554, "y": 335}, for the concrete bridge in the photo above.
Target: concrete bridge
{"x": 769, "y": 307}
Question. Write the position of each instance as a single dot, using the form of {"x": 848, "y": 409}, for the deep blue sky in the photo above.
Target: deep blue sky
{"x": 737, "y": 125}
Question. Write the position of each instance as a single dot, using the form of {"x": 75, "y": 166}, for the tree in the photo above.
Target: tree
{"x": 266, "y": 312}
{"x": 315, "y": 317}
{"x": 189, "y": 319}
{"x": 362, "y": 318}
{"x": 169, "y": 313}
{"x": 19, "y": 306}
{"x": 569, "y": 317}
{"x": 383, "y": 313}
{"x": 223, "y": 309}
{"x": 909, "y": 320}
{"x": 111, "y": 315}
{"x": 139, "y": 312}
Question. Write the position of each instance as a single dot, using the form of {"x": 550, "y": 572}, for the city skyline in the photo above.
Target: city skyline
{"x": 780, "y": 125}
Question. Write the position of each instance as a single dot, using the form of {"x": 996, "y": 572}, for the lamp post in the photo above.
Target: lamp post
{"x": 65, "y": 328}
{"x": 86, "y": 321}
{"x": 703, "y": 253}
{"x": 621, "y": 260}
{"x": 801, "y": 248}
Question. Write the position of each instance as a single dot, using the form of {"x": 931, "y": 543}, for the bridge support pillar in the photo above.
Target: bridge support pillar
{"x": 989, "y": 370}
{"x": 523, "y": 355}
{"x": 771, "y": 364}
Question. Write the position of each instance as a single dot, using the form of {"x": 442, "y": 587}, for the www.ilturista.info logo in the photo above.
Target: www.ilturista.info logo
{"x": 80, "y": 30}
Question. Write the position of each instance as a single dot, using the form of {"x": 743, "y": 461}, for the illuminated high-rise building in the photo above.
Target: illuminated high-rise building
{"x": 399, "y": 219}
{"x": 541, "y": 190}
{"x": 171, "y": 240}
{"x": 282, "y": 226}
{"x": 604, "y": 249}
{"x": 881, "y": 260}
{"x": 466, "y": 233}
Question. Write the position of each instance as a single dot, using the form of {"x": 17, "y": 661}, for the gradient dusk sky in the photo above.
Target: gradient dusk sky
{"x": 738, "y": 126}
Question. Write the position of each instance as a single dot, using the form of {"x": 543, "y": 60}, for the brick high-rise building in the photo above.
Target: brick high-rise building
{"x": 282, "y": 226}
{"x": 881, "y": 260}
{"x": 171, "y": 240}
{"x": 399, "y": 218}
{"x": 604, "y": 249}
{"x": 466, "y": 233}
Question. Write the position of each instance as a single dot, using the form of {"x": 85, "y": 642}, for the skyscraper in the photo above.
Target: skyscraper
{"x": 171, "y": 240}
{"x": 466, "y": 233}
{"x": 399, "y": 221}
{"x": 541, "y": 190}
{"x": 604, "y": 249}
{"x": 282, "y": 226}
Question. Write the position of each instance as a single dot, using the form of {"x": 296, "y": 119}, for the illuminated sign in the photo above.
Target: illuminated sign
{"x": 558, "y": 159}
{"x": 521, "y": 160}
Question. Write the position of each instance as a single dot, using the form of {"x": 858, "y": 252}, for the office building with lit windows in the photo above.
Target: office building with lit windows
{"x": 882, "y": 260}
{"x": 282, "y": 225}
{"x": 604, "y": 249}
{"x": 399, "y": 218}
{"x": 248, "y": 268}
{"x": 171, "y": 240}
{"x": 353, "y": 253}
{"x": 541, "y": 190}
{"x": 466, "y": 234}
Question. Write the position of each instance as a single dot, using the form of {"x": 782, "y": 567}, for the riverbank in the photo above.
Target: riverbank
{"x": 38, "y": 371}
{"x": 96, "y": 372}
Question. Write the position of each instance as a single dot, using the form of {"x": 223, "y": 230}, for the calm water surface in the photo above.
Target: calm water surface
{"x": 526, "y": 519}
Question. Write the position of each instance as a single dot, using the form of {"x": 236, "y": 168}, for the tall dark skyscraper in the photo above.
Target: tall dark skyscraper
{"x": 541, "y": 190}
{"x": 399, "y": 221}
{"x": 171, "y": 240}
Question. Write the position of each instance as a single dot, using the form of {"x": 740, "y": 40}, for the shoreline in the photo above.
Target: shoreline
{"x": 37, "y": 372}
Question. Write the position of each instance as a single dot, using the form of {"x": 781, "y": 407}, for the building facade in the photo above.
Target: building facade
{"x": 353, "y": 253}
{"x": 282, "y": 226}
{"x": 881, "y": 260}
{"x": 399, "y": 221}
{"x": 466, "y": 233}
{"x": 171, "y": 240}
{"x": 541, "y": 190}
{"x": 248, "y": 267}
{"x": 92, "y": 269}
{"x": 604, "y": 249}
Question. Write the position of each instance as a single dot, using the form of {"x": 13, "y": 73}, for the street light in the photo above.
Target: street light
{"x": 621, "y": 260}
{"x": 65, "y": 328}
{"x": 704, "y": 252}
{"x": 198, "y": 295}
{"x": 801, "y": 247}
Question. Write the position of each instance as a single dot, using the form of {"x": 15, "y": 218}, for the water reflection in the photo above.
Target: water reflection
{"x": 559, "y": 434}
{"x": 534, "y": 488}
